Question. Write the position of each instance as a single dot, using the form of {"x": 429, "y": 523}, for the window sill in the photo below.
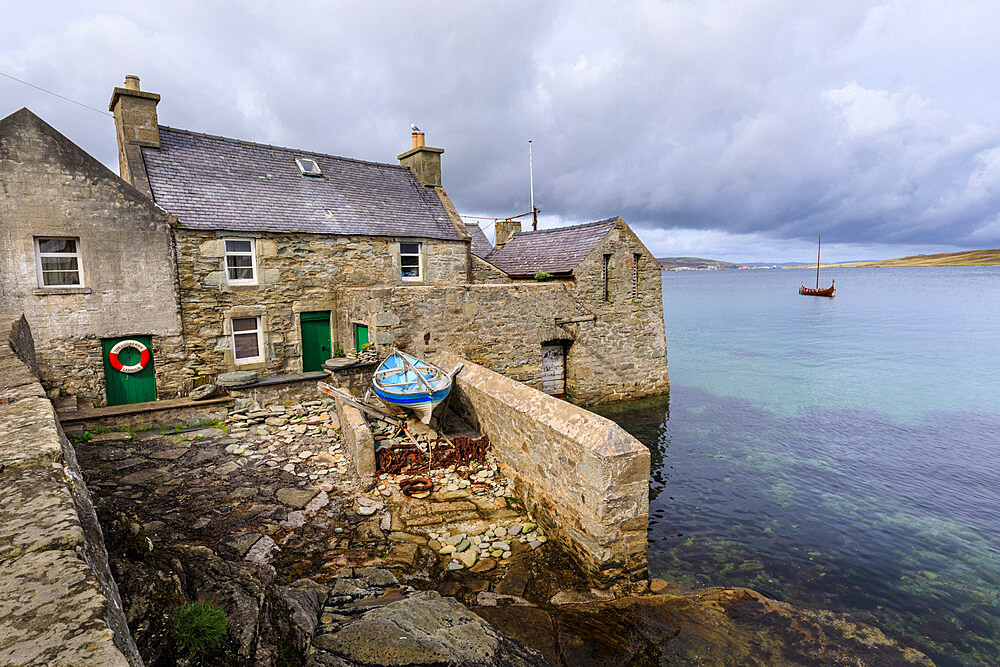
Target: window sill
{"x": 45, "y": 291}
{"x": 249, "y": 284}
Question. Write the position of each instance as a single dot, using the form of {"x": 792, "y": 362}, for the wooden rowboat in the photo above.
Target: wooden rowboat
{"x": 818, "y": 291}
{"x": 826, "y": 291}
{"x": 410, "y": 383}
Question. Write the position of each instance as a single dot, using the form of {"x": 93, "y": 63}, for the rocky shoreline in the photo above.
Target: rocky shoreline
{"x": 264, "y": 517}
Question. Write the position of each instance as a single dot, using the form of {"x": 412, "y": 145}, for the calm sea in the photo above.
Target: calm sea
{"x": 836, "y": 453}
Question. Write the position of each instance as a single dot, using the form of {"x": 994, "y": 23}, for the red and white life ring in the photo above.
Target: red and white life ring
{"x": 134, "y": 368}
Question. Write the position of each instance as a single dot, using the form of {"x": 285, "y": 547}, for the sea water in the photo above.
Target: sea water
{"x": 835, "y": 453}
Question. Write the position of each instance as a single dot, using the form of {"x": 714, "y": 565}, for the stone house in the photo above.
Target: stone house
{"x": 284, "y": 255}
{"x": 219, "y": 254}
{"x": 88, "y": 260}
{"x": 265, "y": 237}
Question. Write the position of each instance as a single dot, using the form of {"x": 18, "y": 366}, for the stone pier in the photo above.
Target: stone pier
{"x": 583, "y": 477}
{"x": 59, "y": 604}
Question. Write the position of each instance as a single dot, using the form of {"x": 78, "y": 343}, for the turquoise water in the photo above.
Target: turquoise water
{"x": 838, "y": 453}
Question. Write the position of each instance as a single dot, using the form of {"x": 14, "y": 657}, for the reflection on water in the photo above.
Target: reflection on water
{"x": 827, "y": 475}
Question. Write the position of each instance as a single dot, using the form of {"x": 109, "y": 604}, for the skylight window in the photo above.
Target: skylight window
{"x": 308, "y": 167}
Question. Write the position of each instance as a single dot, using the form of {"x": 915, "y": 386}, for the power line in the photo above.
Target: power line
{"x": 62, "y": 97}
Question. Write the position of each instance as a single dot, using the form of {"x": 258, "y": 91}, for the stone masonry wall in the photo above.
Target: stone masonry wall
{"x": 296, "y": 273}
{"x": 619, "y": 354}
{"x": 628, "y": 338}
{"x": 59, "y": 604}
{"x": 50, "y": 188}
{"x": 581, "y": 475}
{"x": 75, "y": 366}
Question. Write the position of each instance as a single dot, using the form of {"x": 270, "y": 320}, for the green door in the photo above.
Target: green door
{"x": 360, "y": 336}
{"x": 122, "y": 388}
{"x": 316, "y": 347}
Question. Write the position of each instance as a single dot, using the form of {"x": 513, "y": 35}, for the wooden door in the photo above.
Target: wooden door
{"x": 554, "y": 369}
{"x": 360, "y": 336}
{"x": 316, "y": 345}
{"x": 121, "y": 387}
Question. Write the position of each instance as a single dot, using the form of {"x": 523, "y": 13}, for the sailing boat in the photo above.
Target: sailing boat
{"x": 826, "y": 291}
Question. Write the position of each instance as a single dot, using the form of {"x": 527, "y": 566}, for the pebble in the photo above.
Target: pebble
{"x": 447, "y": 549}
{"x": 455, "y": 565}
{"x": 367, "y": 510}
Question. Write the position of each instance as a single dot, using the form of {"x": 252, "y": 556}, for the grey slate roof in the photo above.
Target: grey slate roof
{"x": 554, "y": 251}
{"x": 480, "y": 244}
{"x": 212, "y": 182}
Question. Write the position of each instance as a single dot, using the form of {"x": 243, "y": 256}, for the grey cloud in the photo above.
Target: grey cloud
{"x": 769, "y": 120}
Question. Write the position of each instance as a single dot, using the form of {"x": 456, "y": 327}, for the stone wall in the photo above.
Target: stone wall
{"x": 357, "y": 436}
{"x": 59, "y": 604}
{"x": 50, "y": 188}
{"x": 484, "y": 272}
{"x": 296, "y": 273}
{"x": 617, "y": 353}
{"x": 581, "y": 475}
{"x": 75, "y": 366}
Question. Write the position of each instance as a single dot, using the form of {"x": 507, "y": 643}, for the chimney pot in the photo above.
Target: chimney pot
{"x": 131, "y": 82}
{"x": 418, "y": 139}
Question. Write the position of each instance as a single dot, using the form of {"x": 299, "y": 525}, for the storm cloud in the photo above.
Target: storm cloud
{"x": 730, "y": 129}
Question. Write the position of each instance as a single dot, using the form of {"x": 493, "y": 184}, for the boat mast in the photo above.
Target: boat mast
{"x": 819, "y": 242}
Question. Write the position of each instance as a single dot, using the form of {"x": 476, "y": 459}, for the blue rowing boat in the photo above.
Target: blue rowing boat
{"x": 408, "y": 382}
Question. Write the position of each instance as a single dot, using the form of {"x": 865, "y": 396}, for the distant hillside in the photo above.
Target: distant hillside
{"x": 966, "y": 258}
{"x": 693, "y": 263}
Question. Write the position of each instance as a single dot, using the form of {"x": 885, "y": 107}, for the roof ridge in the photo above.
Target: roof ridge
{"x": 280, "y": 148}
{"x": 596, "y": 223}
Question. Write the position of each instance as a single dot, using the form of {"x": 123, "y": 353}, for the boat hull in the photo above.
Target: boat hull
{"x": 826, "y": 291}
{"x": 397, "y": 383}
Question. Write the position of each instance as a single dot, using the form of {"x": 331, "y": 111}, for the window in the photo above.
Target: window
{"x": 606, "y": 277}
{"x": 246, "y": 340}
{"x": 635, "y": 284}
{"x": 409, "y": 261}
{"x": 58, "y": 262}
{"x": 241, "y": 262}
{"x": 308, "y": 167}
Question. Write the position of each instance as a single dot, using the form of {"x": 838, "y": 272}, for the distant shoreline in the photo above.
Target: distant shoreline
{"x": 989, "y": 257}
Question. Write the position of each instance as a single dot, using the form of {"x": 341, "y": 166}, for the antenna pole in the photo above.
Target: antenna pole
{"x": 531, "y": 179}
{"x": 819, "y": 241}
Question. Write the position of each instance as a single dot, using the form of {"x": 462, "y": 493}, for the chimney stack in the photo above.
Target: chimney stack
{"x": 135, "y": 123}
{"x": 505, "y": 229}
{"x": 423, "y": 161}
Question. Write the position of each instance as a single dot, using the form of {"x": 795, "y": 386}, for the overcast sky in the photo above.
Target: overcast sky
{"x": 731, "y": 129}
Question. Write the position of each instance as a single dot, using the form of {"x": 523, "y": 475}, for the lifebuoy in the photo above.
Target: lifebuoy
{"x": 134, "y": 368}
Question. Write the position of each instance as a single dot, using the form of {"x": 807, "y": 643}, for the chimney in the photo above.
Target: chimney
{"x": 423, "y": 161}
{"x": 506, "y": 229}
{"x": 135, "y": 123}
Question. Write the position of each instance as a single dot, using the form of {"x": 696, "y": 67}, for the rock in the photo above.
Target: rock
{"x": 367, "y": 510}
{"x": 113, "y": 436}
{"x": 658, "y": 586}
{"x": 580, "y": 597}
{"x": 405, "y": 553}
{"x": 514, "y": 530}
{"x": 484, "y": 565}
{"x": 447, "y": 549}
{"x": 170, "y": 454}
{"x": 528, "y": 527}
{"x": 467, "y": 558}
{"x": 490, "y": 599}
{"x": 261, "y": 550}
{"x": 297, "y": 498}
{"x": 203, "y": 392}
{"x": 424, "y": 629}
{"x": 455, "y": 565}
{"x": 236, "y": 378}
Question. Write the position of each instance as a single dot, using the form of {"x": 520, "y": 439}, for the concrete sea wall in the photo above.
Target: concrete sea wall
{"x": 583, "y": 477}
{"x": 59, "y": 604}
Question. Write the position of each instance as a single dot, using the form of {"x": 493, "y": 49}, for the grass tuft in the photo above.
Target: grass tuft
{"x": 198, "y": 626}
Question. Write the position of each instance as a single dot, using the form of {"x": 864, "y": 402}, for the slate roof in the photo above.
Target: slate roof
{"x": 212, "y": 182}
{"x": 480, "y": 244}
{"x": 554, "y": 251}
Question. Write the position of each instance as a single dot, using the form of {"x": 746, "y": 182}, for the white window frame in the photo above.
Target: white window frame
{"x": 260, "y": 339}
{"x": 420, "y": 260}
{"x": 253, "y": 260}
{"x": 38, "y": 260}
